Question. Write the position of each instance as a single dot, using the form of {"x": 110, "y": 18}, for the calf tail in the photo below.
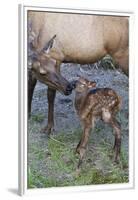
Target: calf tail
{"x": 120, "y": 102}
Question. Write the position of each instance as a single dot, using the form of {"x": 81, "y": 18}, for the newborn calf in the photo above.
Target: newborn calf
{"x": 92, "y": 103}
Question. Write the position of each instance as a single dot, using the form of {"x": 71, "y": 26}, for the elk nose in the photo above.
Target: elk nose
{"x": 69, "y": 89}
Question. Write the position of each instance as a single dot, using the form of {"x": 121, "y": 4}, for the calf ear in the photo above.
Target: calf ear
{"x": 92, "y": 84}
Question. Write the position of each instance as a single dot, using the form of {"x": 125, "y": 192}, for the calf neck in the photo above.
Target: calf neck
{"x": 94, "y": 103}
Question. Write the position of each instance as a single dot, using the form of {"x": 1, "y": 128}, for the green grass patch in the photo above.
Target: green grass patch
{"x": 108, "y": 63}
{"x": 36, "y": 180}
{"x": 38, "y": 118}
{"x": 60, "y": 162}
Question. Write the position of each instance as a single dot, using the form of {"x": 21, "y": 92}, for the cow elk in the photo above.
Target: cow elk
{"x": 55, "y": 38}
{"x": 96, "y": 103}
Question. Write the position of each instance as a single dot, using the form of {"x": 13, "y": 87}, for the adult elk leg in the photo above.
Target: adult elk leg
{"x": 122, "y": 58}
{"x": 51, "y": 93}
{"x": 31, "y": 85}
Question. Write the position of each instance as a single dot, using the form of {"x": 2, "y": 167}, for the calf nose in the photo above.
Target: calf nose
{"x": 73, "y": 84}
{"x": 69, "y": 89}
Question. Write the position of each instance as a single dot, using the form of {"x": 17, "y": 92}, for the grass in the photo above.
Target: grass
{"x": 60, "y": 163}
{"x": 38, "y": 118}
{"x": 107, "y": 62}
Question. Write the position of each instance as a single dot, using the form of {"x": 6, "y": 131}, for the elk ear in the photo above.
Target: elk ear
{"x": 92, "y": 84}
{"x": 49, "y": 45}
{"x": 53, "y": 61}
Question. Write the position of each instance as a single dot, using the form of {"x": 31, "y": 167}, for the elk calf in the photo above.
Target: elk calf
{"x": 92, "y": 103}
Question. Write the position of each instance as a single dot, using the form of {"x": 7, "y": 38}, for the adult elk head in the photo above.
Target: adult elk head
{"x": 46, "y": 69}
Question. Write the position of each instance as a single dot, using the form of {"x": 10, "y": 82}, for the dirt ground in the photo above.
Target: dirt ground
{"x": 65, "y": 116}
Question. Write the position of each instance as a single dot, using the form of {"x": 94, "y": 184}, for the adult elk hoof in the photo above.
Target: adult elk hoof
{"x": 117, "y": 160}
{"x": 29, "y": 115}
{"x": 48, "y": 130}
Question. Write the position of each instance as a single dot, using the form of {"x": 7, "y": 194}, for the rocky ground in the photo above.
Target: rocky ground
{"x": 66, "y": 120}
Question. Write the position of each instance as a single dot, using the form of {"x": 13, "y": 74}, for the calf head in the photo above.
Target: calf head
{"x": 46, "y": 70}
{"x": 82, "y": 84}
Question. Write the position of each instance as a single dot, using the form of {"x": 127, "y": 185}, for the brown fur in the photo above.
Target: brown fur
{"x": 80, "y": 39}
{"x": 91, "y": 104}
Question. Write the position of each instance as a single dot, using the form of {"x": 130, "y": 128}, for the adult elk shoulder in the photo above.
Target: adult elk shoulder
{"x": 54, "y": 38}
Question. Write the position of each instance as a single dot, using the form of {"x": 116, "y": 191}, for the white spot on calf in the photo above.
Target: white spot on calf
{"x": 106, "y": 115}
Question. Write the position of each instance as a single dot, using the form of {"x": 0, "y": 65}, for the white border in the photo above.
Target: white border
{"x": 23, "y": 104}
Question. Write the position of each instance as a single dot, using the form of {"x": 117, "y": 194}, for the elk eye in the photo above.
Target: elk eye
{"x": 42, "y": 71}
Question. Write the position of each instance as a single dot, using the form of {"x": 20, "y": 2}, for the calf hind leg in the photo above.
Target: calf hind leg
{"x": 109, "y": 118}
{"x": 117, "y": 144}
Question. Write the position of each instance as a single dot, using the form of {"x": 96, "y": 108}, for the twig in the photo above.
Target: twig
{"x": 83, "y": 71}
{"x": 57, "y": 141}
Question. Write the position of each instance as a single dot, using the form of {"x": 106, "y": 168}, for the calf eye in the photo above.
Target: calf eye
{"x": 83, "y": 85}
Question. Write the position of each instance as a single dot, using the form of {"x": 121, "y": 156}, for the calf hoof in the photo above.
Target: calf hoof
{"x": 77, "y": 172}
{"x": 79, "y": 164}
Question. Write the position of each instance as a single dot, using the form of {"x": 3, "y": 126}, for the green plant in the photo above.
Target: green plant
{"x": 38, "y": 118}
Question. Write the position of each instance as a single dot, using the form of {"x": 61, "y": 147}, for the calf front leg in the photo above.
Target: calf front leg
{"x": 81, "y": 147}
{"x": 51, "y": 93}
{"x": 88, "y": 123}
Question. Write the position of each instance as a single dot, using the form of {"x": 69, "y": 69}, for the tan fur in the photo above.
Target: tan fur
{"x": 79, "y": 39}
{"x": 82, "y": 38}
